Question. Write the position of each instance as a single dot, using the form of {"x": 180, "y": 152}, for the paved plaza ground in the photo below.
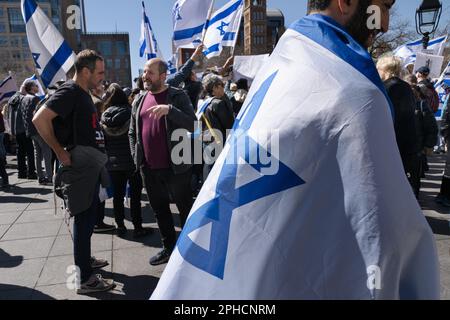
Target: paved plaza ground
{"x": 36, "y": 245}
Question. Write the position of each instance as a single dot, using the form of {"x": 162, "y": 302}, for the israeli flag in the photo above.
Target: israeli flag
{"x": 202, "y": 108}
{"x": 172, "y": 65}
{"x": 148, "y": 46}
{"x": 52, "y": 55}
{"x": 440, "y": 86}
{"x": 8, "y": 88}
{"x": 223, "y": 28}
{"x": 408, "y": 52}
{"x": 309, "y": 198}
{"x": 41, "y": 93}
{"x": 189, "y": 18}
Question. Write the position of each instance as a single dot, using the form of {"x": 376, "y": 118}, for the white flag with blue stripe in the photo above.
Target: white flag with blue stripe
{"x": 148, "y": 46}
{"x": 223, "y": 28}
{"x": 8, "y": 88}
{"x": 41, "y": 92}
{"x": 189, "y": 18}
{"x": 309, "y": 198}
{"x": 52, "y": 55}
{"x": 408, "y": 52}
{"x": 440, "y": 86}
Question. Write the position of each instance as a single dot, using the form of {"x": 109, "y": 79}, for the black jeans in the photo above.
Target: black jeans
{"x": 100, "y": 213}
{"x": 25, "y": 156}
{"x": 119, "y": 181}
{"x": 413, "y": 168}
{"x": 160, "y": 185}
{"x": 83, "y": 228}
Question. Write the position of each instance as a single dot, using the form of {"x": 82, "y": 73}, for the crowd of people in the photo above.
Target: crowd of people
{"x": 86, "y": 128}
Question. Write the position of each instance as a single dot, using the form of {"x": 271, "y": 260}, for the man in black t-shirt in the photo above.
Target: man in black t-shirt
{"x": 72, "y": 108}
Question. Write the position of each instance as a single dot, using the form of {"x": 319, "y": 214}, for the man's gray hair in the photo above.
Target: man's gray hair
{"x": 210, "y": 81}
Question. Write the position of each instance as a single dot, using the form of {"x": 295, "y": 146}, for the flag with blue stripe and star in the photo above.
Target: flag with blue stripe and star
{"x": 223, "y": 28}
{"x": 52, "y": 55}
{"x": 309, "y": 198}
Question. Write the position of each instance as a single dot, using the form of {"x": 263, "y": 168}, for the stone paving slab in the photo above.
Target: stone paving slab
{"x": 32, "y": 230}
{"x": 56, "y": 269}
{"x": 39, "y": 215}
{"x": 26, "y": 248}
{"x": 21, "y": 274}
{"x": 3, "y": 229}
{"x": 9, "y": 218}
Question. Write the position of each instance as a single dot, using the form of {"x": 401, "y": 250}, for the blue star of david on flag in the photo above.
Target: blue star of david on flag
{"x": 35, "y": 58}
{"x": 221, "y": 28}
{"x": 219, "y": 211}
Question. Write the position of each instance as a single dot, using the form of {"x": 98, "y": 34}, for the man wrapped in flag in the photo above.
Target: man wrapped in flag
{"x": 337, "y": 219}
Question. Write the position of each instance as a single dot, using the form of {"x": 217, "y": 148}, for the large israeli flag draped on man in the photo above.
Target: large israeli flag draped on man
{"x": 52, "y": 55}
{"x": 189, "y": 18}
{"x": 223, "y": 27}
{"x": 337, "y": 219}
{"x": 408, "y": 52}
{"x": 148, "y": 46}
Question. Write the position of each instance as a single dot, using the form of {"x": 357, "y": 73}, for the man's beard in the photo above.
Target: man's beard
{"x": 153, "y": 86}
{"x": 357, "y": 26}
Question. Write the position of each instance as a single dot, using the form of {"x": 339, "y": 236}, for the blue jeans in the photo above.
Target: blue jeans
{"x": 83, "y": 228}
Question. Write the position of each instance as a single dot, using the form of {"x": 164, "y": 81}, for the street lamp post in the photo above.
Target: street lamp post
{"x": 427, "y": 19}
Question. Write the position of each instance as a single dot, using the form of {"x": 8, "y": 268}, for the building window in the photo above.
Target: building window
{"x": 16, "y": 55}
{"x": 105, "y": 48}
{"x": 16, "y": 23}
{"x": 2, "y": 12}
{"x": 121, "y": 48}
{"x": 14, "y": 41}
{"x": 117, "y": 64}
{"x": 3, "y": 41}
{"x": 126, "y": 63}
{"x": 26, "y": 54}
{"x": 109, "y": 63}
{"x": 2, "y": 27}
{"x": 24, "y": 42}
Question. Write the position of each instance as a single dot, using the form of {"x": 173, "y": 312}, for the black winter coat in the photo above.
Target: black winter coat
{"x": 28, "y": 108}
{"x": 404, "y": 103}
{"x": 115, "y": 123}
{"x": 220, "y": 115}
{"x": 426, "y": 125}
{"x": 181, "y": 116}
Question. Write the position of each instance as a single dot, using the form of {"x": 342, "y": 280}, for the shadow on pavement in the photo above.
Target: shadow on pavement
{"x": 10, "y": 292}
{"x": 134, "y": 287}
{"x": 8, "y": 261}
{"x": 441, "y": 227}
{"x": 19, "y": 199}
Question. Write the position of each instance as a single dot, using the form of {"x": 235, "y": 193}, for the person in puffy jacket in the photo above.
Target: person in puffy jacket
{"x": 115, "y": 122}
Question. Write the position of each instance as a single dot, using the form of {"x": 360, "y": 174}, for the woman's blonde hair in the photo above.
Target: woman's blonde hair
{"x": 391, "y": 65}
